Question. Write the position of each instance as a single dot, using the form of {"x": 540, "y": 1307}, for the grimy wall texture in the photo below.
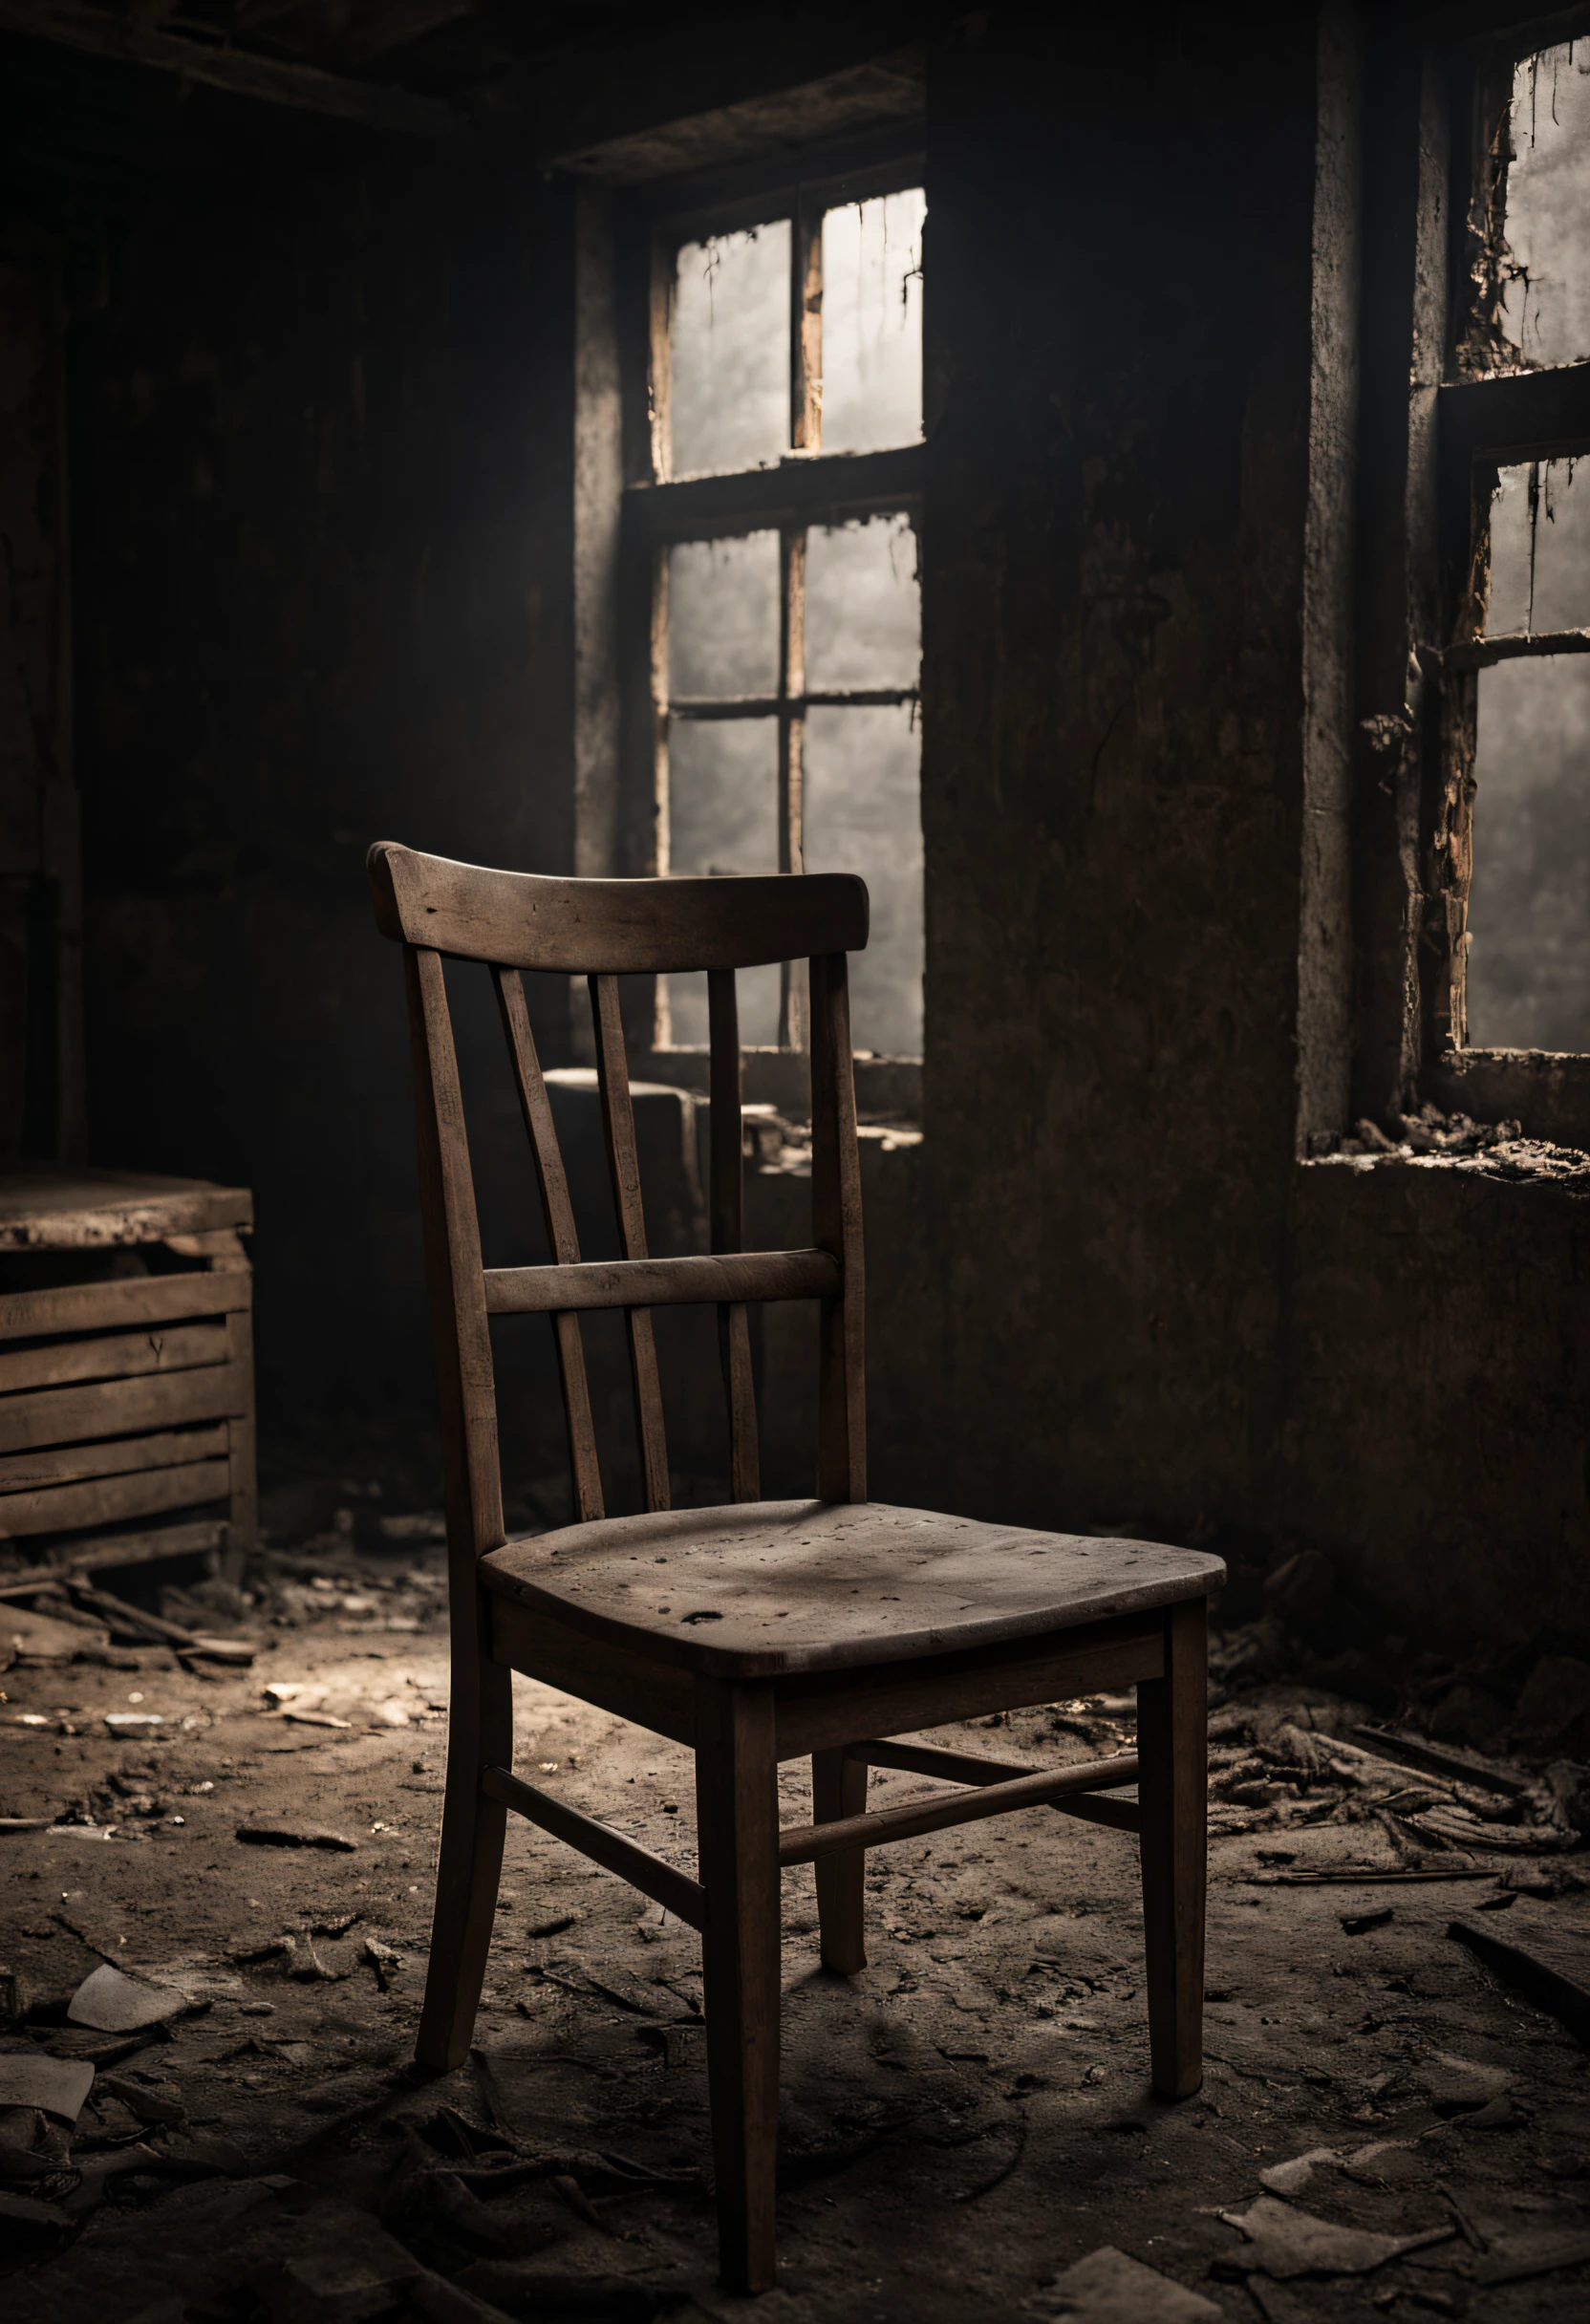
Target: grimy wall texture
{"x": 321, "y": 443}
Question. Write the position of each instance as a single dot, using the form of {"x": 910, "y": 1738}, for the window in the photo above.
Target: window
{"x": 1513, "y": 821}
{"x": 774, "y": 544}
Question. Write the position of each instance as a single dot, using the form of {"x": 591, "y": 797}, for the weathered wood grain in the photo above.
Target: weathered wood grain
{"x": 727, "y": 1176}
{"x": 114, "y": 1456}
{"x": 699, "y": 1280}
{"x": 123, "y": 1356}
{"x": 558, "y": 1215}
{"x": 611, "y": 927}
{"x": 74, "y": 1209}
{"x": 806, "y": 1844}
{"x": 612, "y": 1075}
{"x": 674, "y": 1890}
{"x": 121, "y": 1407}
{"x": 102, "y": 1499}
{"x": 140, "y": 1299}
{"x": 774, "y": 1588}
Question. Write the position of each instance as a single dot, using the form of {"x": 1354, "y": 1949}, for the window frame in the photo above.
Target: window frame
{"x": 807, "y": 487}
{"x": 1484, "y": 420}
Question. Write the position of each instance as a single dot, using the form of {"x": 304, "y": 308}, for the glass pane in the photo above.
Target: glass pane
{"x": 864, "y": 608}
{"x": 757, "y": 990}
{"x": 1529, "y": 911}
{"x": 1546, "y": 305}
{"x": 722, "y": 795}
{"x": 729, "y": 352}
{"x": 724, "y": 615}
{"x": 864, "y": 813}
{"x": 724, "y": 817}
{"x": 872, "y": 323}
{"x": 1541, "y": 548}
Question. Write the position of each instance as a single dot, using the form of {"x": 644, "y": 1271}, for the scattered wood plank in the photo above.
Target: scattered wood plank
{"x": 1417, "y": 1750}
{"x": 135, "y": 1618}
{"x": 1563, "y": 1995}
{"x": 1366, "y": 1877}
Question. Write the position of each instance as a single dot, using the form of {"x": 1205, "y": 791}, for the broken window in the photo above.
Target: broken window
{"x": 1529, "y": 901}
{"x": 786, "y": 645}
{"x": 1519, "y": 423}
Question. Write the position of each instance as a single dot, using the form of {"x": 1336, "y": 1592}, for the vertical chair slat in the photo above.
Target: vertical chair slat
{"x": 728, "y": 1228}
{"x": 558, "y": 1213}
{"x": 836, "y": 1227}
{"x": 612, "y": 1074}
{"x": 455, "y": 1282}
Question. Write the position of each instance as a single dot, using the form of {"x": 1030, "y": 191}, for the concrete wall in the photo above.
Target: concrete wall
{"x": 1119, "y": 317}
{"x": 1153, "y": 1314}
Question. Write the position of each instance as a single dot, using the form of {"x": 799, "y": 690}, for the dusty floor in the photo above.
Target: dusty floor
{"x": 960, "y": 2124}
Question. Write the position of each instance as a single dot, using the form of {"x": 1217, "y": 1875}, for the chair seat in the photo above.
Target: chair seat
{"x": 762, "y": 1587}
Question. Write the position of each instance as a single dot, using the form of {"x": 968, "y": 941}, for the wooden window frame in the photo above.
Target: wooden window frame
{"x": 1485, "y": 420}
{"x": 805, "y": 488}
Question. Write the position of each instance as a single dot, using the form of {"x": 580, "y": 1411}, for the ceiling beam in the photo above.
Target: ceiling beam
{"x": 74, "y": 25}
{"x": 396, "y": 24}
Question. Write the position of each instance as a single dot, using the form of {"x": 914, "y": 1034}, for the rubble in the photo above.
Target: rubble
{"x": 111, "y": 2003}
{"x": 262, "y": 1835}
{"x": 1109, "y": 2287}
{"x": 1284, "y": 2241}
{"x": 1359, "y": 2062}
{"x": 47, "y": 2085}
{"x": 1524, "y": 2257}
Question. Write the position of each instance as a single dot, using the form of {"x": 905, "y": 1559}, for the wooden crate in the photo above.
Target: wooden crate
{"x": 133, "y": 1398}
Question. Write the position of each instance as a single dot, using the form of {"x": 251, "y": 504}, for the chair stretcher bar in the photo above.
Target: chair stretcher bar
{"x": 806, "y": 1844}
{"x": 961, "y": 1767}
{"x": 673, "y": 1890}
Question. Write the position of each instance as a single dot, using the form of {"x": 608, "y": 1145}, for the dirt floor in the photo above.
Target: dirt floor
{"x": 960, "y": 2125}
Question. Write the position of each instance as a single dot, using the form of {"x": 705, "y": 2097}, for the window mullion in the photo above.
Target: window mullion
{"x": 792, "y": 725}
{"x": 805, "y": 325}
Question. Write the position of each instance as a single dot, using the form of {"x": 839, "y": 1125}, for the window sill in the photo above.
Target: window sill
{"x": 887, "y": 1087}
{"x": 1545, "y": 1091}
{"x": 1516, "y": 1161}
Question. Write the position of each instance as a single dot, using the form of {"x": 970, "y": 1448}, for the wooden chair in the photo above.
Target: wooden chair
{"x": 762, "y": 1630}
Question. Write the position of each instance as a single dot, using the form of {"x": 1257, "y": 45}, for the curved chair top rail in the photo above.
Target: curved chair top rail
{"x": 611, "y": 927}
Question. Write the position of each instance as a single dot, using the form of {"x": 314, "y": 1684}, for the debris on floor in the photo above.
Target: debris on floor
{"x": 1284, "y": 2241}
{"x": 1109, "y": 2287}
{"x": 207, "y": 2076}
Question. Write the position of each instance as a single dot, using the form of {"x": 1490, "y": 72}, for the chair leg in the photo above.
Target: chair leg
{"x": 838, "y": 1788}
{"x": 737, "y": 1802}
{"x": 479, "y": 1734}
{"x": 1173, "y": 1744}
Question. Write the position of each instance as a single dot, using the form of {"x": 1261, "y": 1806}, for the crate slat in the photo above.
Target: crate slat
{"x": 138, "y": 1298}
{"x": 115, "y": 1456}
{"x": 123, "y": 1407}
{"x": 174, "y": 1349}
{"x": 102, "y": 1499}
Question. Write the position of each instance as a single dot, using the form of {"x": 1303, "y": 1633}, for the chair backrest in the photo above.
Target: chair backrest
{"x": 601, "y": 929}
